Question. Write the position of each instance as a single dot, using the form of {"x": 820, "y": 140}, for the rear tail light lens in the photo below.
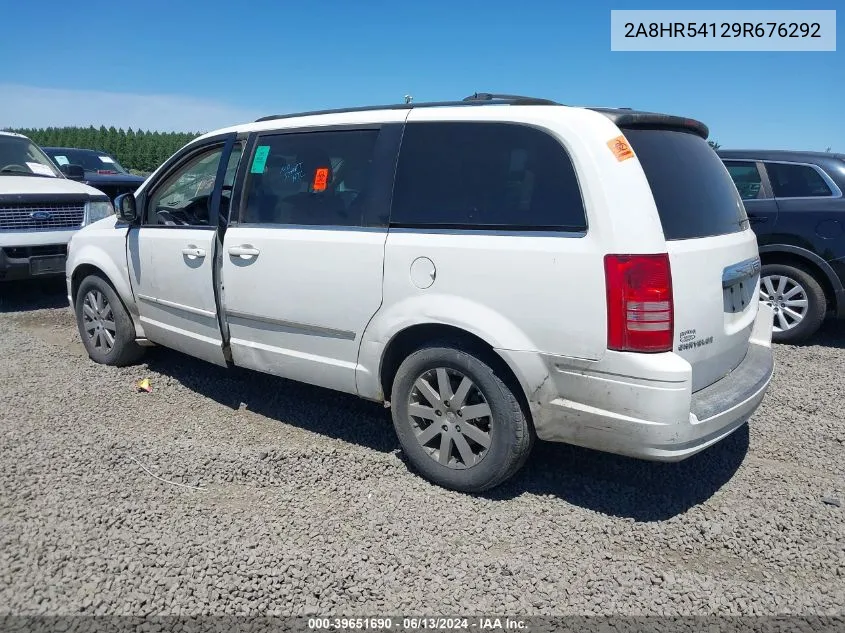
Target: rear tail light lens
{"x": 639, "y": 303}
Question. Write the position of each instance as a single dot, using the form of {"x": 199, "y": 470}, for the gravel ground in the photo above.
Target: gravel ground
{"x": 305, "y": 506}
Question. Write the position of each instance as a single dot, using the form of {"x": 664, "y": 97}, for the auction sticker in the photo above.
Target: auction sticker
{"x": 620, "y": 148}
{"x": 260, "y": 159}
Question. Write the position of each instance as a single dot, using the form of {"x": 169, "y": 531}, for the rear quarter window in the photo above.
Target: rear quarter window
{"x": 497, "y": 176}
{"x": 694, "y": 194}
{"x": 797, "y": 181}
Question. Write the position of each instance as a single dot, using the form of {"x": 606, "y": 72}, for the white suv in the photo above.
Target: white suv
{"x": 40, "y": 209}
{"x": 495, "y": 269}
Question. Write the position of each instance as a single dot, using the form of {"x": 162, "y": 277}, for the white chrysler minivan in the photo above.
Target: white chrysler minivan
{"x": 496, "y": 269}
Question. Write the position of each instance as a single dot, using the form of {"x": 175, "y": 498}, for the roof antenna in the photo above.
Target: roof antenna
{"x": 409, "y": 99}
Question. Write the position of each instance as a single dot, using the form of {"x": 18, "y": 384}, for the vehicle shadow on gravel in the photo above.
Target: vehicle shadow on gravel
{"x": 625, "y": 487}
{"x": 610, "y": 484}
{"x": 23, "y": 296}
{"x": 330, "y": 413}
{"x": 831, "y": 334}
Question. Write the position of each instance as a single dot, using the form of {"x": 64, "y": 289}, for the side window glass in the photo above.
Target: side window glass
{"x": 486, "y": 175}
{"x": 183, "y": 199}
{"x": 310, "y": 178}
{"x": 797, "y": 181}
{"x": 747, "y": 179}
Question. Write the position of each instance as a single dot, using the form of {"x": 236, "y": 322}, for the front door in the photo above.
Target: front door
{"x": 302, "y": 265}
{"x": 171, "y": 254}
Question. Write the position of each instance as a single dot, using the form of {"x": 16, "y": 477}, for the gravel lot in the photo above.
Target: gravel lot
{"x": 305, "y": 506}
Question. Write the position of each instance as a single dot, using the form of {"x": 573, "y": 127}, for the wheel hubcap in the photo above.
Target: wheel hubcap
{"x": 450, "y": 418}
{"x": 787, "y": 298}
{"x": 98, "y": 320}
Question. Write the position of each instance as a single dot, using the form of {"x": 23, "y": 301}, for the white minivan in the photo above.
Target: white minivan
{"x": 40, "y": 208}
{"x": 495, "y": 269}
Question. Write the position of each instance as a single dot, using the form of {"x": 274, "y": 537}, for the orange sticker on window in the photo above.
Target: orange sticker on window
{"x": 620, "y": 148}
{"x": 321, "y": 179}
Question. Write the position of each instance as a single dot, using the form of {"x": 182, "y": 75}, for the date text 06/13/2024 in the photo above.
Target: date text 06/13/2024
{"x": 727, "y": 30}
{"x": 456, "y": 624}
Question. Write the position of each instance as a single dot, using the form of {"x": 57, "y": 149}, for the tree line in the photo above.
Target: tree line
{"x": 137, "y": 150}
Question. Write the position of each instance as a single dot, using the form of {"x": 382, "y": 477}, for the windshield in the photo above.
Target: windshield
{"x": 21, "y": 157}
{"x": 89, "y": 160}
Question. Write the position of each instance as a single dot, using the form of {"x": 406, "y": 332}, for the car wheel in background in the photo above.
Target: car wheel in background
{"x": 797, "y": 299}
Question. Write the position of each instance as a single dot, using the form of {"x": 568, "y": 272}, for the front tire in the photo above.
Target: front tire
{"x": 105, "y": 326}
{"x": 459, "y": 424}
{"x": 798, "y": 300}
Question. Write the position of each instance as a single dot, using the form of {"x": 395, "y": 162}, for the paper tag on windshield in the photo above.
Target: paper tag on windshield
{"x": 38, "y": 168}
{"x": 62, "y": 160}
{"x": 106, "y": 159}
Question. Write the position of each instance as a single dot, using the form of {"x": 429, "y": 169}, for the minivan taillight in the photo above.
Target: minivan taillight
{"x": 639, "y": 303}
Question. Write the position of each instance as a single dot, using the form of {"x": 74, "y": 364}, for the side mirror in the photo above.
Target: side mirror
{"x": 125, "y": 208}
{"x": 74, "y": 172}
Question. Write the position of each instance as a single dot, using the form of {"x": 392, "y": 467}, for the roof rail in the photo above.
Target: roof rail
{"x": 482, "y": 98}
{"x": 510, "y": 99}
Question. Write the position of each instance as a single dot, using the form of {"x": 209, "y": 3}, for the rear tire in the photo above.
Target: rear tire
{"x": 459, "y": 424}
{"x": 105, "y": 327}
{"x": 798, "y": 300}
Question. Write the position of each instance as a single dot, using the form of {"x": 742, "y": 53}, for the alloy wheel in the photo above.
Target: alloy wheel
{"x": 98, "y": 320}
{"x": 450, "y": 418}
{"x": 787, "y": 298}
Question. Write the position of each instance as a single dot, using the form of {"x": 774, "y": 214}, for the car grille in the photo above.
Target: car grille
{"x": 41, "y": 217}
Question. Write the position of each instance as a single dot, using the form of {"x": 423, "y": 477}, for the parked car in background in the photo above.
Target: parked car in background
{"x": 40, "y": 209}
{"x": 795, "y": 204}
{"x": 102, "y": 170}
{"x": 494, "y": 268}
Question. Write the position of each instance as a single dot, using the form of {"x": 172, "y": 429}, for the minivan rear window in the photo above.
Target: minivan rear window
{"x": 694, "y": 193}
{"x": 485, "y": 176}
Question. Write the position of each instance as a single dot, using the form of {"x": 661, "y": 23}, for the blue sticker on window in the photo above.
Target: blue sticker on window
{"x": 260, "y": 159}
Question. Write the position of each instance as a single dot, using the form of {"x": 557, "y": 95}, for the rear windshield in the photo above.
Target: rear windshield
{"x": 694, "y": 193}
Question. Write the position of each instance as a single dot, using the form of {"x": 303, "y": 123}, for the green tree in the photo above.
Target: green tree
{"x": 135, "y": 149}
{"x": 714, "y": 144}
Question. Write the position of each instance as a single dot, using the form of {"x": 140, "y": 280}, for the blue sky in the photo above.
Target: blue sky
{"x": 205, "y": 64}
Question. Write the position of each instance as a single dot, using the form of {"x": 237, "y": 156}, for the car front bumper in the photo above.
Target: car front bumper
{"x": 33, "y": 254}
{"x": 651, "y": 415}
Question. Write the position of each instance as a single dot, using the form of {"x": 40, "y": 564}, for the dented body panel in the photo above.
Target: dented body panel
{"x": 643, "y": 405}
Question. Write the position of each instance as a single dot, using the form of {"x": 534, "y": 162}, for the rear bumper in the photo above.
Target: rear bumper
{"x": 652, "y": 415}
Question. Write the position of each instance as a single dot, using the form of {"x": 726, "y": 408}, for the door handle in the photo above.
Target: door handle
{"x": 757, "y": 219}
{"x": 192, "y": 252}
{"x": 245, "y": 251}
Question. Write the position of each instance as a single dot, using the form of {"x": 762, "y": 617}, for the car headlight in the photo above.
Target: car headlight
{"x": 97, "y": 210}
